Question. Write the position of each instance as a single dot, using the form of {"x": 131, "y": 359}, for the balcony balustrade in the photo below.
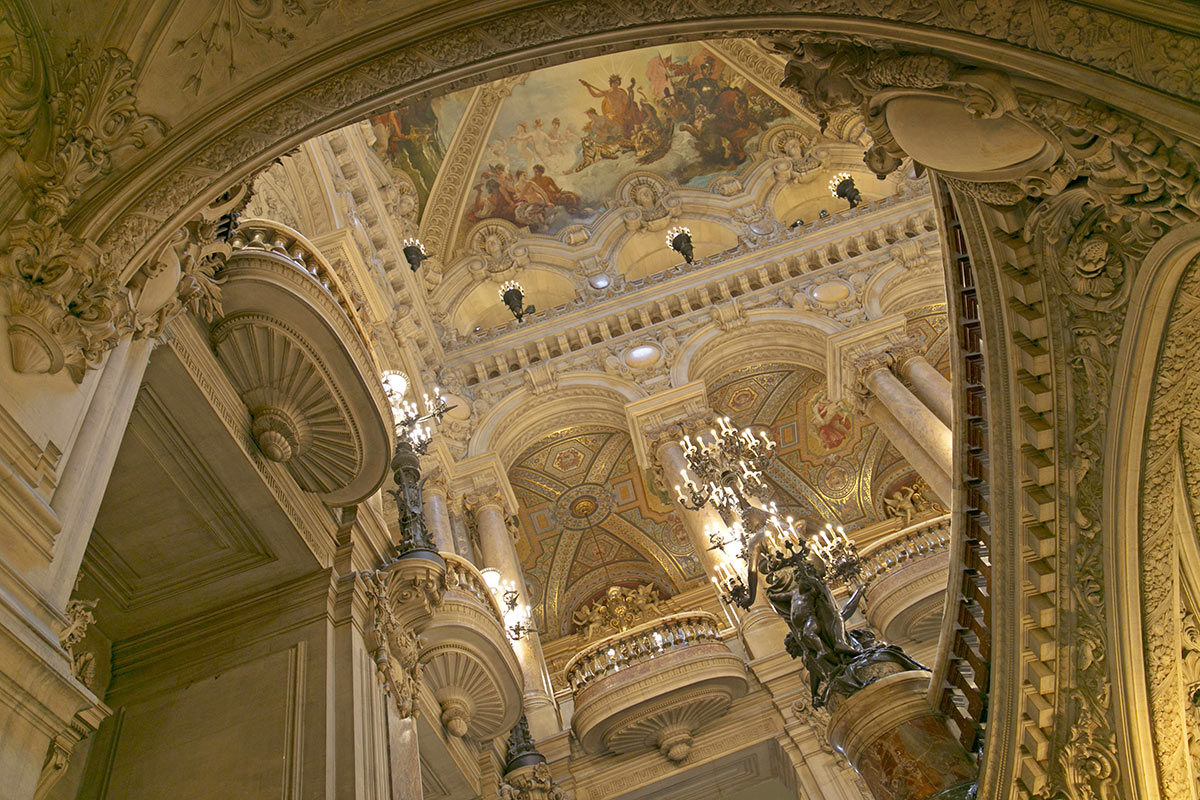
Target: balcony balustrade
{"x": 654, "y": 686}
{"x": 906, "y": 574}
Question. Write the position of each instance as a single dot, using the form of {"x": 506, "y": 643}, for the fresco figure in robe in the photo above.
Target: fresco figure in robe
{"x": 678, "y": 110}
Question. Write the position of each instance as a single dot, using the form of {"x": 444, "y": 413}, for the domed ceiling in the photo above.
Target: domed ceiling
{"x": 589, "y": 521}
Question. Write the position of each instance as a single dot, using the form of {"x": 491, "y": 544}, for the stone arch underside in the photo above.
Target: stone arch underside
{"x": 130, "y": 210}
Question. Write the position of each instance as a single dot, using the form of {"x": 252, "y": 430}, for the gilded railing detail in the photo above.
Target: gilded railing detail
{"x": 636, "y": 645}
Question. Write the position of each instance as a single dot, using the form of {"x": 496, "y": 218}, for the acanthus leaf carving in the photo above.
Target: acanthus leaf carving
{"x": 68, "y": 308}
{"x": 395, "y": 649}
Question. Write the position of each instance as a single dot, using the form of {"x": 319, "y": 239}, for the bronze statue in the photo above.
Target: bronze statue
{"x": 838, "y": 662}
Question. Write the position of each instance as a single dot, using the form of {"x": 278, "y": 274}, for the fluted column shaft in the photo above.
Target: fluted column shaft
{"x": 437, "y": 516}
{"x": 930, "y": 386}
{"x": 500, "y": 552}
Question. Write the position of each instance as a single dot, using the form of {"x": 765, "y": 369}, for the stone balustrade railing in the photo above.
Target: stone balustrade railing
{"x": 636, "y": 645}
{"x": 462, "y": 576}
{"x": 273, "y": 237}
{"x": 776, "y": 265}
{"x": 922, "y": 538}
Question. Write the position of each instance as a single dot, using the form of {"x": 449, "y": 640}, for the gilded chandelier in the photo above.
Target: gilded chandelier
{"x": 729, "y": 465}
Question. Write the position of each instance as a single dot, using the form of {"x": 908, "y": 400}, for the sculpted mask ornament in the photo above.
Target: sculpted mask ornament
{"x": 80, "y": 617}
{"x": 496, "y": 254}
{"x": 647, "y": 200}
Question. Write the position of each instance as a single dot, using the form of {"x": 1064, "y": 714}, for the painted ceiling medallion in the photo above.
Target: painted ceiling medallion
{"x": 583, "y": 506}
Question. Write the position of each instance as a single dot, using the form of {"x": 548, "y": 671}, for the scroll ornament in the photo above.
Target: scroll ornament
{"x": 396, "y": 649}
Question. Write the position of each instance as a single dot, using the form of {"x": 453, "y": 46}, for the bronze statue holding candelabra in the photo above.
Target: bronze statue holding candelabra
{"x": 796, "y": 571}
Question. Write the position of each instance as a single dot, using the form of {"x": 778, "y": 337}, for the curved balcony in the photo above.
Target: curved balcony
{"x": 654, "y": 686}
{"x": 466, "y": 658}
{"x": 906, "y": 576}
{"x": 300, "y": 359}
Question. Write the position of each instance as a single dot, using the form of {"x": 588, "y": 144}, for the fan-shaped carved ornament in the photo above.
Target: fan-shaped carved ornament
{"x": 300, "y": 364}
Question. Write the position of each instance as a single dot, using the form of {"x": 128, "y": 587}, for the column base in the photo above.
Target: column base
{"x": 902, "y": 748}
{"x": 763, "y": 630}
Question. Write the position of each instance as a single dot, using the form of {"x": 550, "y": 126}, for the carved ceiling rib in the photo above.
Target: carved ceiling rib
{"x": 443, "y": 211}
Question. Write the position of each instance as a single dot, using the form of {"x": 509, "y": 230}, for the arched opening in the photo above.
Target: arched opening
{"x": 1034, "y": 332}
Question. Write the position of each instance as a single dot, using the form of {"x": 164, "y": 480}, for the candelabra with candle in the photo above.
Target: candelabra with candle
{"x": 730, "y": 466}
{"x": 840, "y": 557}
{"x": 413, "y": 432}
{"x": 754, "y": 537}
{"x": 516, "y": 616}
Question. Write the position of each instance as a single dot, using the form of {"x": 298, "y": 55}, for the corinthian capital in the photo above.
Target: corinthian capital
{"x": 852, "y": 354}
{"x": 481, "y": 481}
{"x": 658, "y": 418}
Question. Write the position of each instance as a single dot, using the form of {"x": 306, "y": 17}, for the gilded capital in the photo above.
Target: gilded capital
{"x": 656, "y": 419}
{"x": 852, "y": 354}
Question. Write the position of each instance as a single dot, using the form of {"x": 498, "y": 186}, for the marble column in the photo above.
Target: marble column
{"x": 434, "y": 499}
{"x": 859, "y": 369}
{"x": 673, "y": 463}
{"x": 915, "y": 416}
{"x": 908, "y": 446}
{"x": 499, "y": 552}
{"x": 655, "y": 425}
{"x": 928, "y": 384}
{"x": 459, "y": 532}
{"x": 902, "y": 748}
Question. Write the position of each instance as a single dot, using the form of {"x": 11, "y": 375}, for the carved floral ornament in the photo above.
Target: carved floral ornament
{"x": 1109, "y": 184}
{"x": 1090, "y": 190}
{"x": 395, "y": 649}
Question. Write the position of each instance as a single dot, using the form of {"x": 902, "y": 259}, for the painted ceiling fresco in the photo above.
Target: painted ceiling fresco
{"x": 832, "y": 465}
{"x": 567, "y": 135}
{"x": 412, "y": 138}
{"x": 589, "y": 521}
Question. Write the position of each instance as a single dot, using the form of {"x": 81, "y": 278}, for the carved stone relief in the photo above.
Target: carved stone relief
{"x": 1168, "y": 538}
{"x": 618, "y": 610}
{"x": 396, "y": 649}
{"x": 67, "y": 306}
